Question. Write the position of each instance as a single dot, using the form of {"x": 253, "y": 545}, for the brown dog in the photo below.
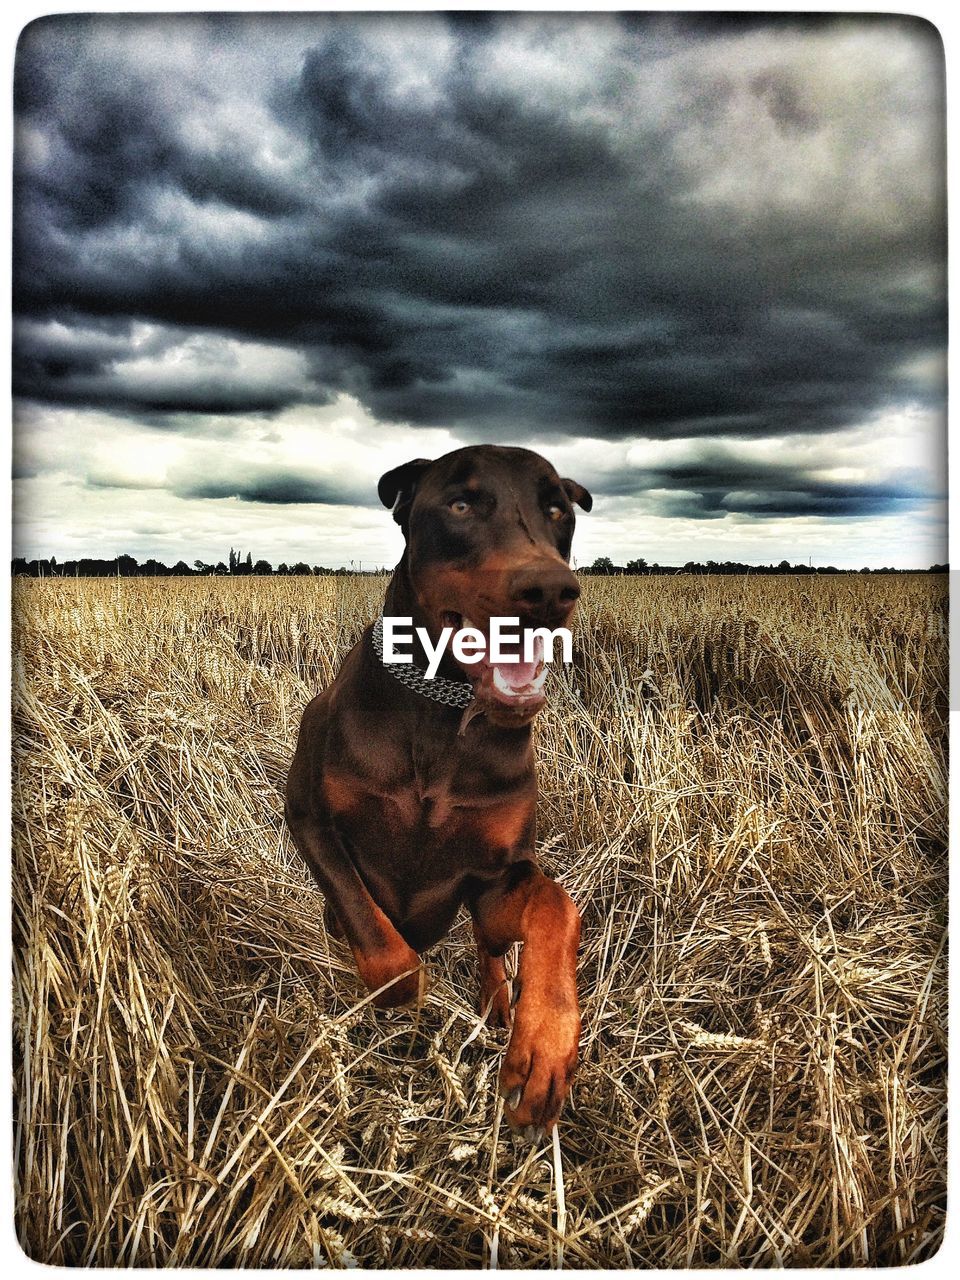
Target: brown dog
{"x": 409, "y": 798}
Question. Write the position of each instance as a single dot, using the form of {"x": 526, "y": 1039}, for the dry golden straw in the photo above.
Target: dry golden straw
{"x": 742, "y": 787}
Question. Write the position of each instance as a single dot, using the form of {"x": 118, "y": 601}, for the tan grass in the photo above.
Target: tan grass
{"x": 743, "y": 789}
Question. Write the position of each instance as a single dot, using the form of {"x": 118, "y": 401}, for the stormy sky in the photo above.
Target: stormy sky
{"x": 698, "y": 262}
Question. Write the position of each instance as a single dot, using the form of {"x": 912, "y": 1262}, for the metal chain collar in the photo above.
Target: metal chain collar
{"x": 452, "y": 693}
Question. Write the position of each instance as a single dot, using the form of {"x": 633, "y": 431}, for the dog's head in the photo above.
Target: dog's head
{"x": 489, "y": 530}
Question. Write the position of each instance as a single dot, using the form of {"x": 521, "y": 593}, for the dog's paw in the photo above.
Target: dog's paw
{"x": 539, "y": 1064}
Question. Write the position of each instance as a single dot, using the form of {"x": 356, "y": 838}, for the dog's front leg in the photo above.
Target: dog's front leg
{"x": 526, "y": 907}
{"x": 380, "y": 953}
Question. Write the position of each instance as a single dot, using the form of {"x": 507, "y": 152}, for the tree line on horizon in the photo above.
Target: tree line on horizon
{"x": 127, "y": 566}
{"x": 604, "y": 565}
{"x": 238, "y": 565}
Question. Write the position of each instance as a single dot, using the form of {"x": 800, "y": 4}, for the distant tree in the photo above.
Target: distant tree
{"x": 300, "y": 568}
{"x": 636, "y": 566}
{"x": 221, "y": 569}
{"x": 602, "y": 564}
{"x": 263, "y": 566}
{"x": 248, "y": 563}
{"x": 127, "y": 566}
{"x": 182, "y": 569}
{"x": 283, "y": 568}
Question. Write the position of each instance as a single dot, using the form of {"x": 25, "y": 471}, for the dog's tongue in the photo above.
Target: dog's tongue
{"x": 516, "y": 674}
{"x": 513, "y": 679}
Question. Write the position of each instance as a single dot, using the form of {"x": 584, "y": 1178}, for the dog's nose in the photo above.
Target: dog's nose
{"x": 547, "y": 591}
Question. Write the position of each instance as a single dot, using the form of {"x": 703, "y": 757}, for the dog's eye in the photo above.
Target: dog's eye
{"x": 459, "y": 506}
{"x": 554, "y": 512}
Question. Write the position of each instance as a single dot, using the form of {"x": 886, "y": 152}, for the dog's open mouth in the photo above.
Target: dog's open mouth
{"x": 517, "y": 679}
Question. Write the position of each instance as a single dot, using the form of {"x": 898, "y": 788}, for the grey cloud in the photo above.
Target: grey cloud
{"x": 784, "y": 99}
{"x": 721, "y": 481}
{"x": 105, "y": 478}
{"x": 101, "y": 363}
{"x": 273, "y": 486}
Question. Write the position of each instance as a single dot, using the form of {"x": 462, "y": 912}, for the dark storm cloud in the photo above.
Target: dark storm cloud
{"x": 458, "y": 247}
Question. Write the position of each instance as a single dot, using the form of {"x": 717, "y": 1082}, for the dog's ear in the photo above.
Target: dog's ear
{"x": 397, "y": 487}
{"x": 578, "y": 494}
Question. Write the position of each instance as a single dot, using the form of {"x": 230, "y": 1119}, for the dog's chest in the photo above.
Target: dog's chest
{"x": 422, "y": 817}
{"x": 423, "y": 845}
{"x": 442, "y": 811}
{"x": 465, "y": 787}
{"x": 430, "y": 809}
{"x": 439, "y": 817}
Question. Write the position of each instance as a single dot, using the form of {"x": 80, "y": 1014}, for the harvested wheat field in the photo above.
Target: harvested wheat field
{"x": 743, "y": 789}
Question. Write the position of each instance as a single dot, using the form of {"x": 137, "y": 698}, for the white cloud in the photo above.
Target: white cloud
{"x": 341, "y": 444}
